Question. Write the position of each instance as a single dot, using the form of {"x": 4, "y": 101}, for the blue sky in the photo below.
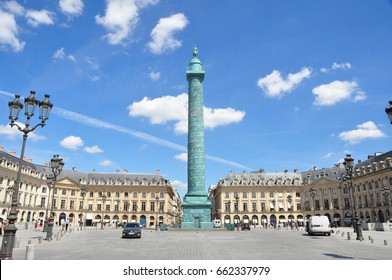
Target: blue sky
{"x": 289, "y": 84}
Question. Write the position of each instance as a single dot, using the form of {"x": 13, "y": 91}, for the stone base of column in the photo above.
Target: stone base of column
{"x": 196, "y": 213}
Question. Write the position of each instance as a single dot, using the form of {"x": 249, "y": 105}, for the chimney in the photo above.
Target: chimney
{"x": 74, "y": 168}
{"x": 117, "y": 170}
{"x": 1, "y": 148}
{"x": 126, "y": 170}
{"x": 158, "y": 172}
{"x": 30, "y": 160}
{"x": 12, "y": 153}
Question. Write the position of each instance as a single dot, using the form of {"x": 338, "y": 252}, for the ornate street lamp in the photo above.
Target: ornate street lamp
{"x": 389, "y": 111}
{"x": 49, "y": 180}
{"x": 56, "y": 164}
{"x": 312, "y": 191}
{"x": 348, "y": 179}
{"x": 15, "y": 107}
{"x": 83, "y": 193}
{"x": 118, "y": 211}
{"x": 289, "y": 200}
{"x": 103, "y": 209}
{"x": 156, "y": 222}
{"x": 238, "y": 217}
{"x": 385, "y": 192}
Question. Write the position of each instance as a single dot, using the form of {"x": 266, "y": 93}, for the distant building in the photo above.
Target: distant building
{"x": 261, "y": 198}
{"x": 111, "y": 197}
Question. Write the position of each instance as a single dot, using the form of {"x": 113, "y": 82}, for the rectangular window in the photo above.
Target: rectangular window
{"x": 144, "y": 195}
{"x": 91, "y": 194}
{"x": 134, "y": 194}
{"x": 326, "y": 204}
{"x": 72, "y": 192}
{"x": 227, "y": 206}
{"x": 244, "y": 195}
{"x": 143, "y": 206}
{"x": 245, "y": 207}
{"x": 72, "y": 204}
{"x": 62, "y": 205}
{"x": 262, "y": 194}
{"x": 90, "y": 207}
{"x": 107, "y": 207}
{"x": 263, "y": 208}
{"x": 99, "y": 207}
{"x": 43, "y": 199}
{"x": 336, "y": 203}
{"x": 134, "y": 206}
{"x": 253, "y": 194}
{"x": 317, "y": 204}
{"x": 64, "y": 192}
{"x": 80, "y": 205}
{"x": 161, "y": 206}
{"x": 227, "y": 195}
{"x": 271, "y": 194}
{"x": 254, "y": 206}
{"x": 152, "y": 206}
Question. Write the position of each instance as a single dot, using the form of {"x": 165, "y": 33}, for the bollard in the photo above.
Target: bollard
{"x": 39, "y": 239}
{"x": 58, "y": 236}
{"x": 385, "y": 242}
{"x": 369, "y": 237}
{"x": 30, "y": 250}
{"x": 342, "y": 234}
{"x": 371, "y": 240}
{"x": 348, "y": 236}
{"x": 29, "y": 242}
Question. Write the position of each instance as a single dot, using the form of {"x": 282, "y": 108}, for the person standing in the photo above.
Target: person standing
{"x": 66, "y": 224}
{"x": 62, "y": 223}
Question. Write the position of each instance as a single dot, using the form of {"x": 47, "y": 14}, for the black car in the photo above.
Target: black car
{"x": 245, "y": 226}
{"x": 132, "y": 230}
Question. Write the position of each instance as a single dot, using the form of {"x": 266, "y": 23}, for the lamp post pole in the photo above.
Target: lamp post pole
{"x": 83, "y": 192}
{"x": 49, "y": 180}
{"x": 312, "y": 191}
{"x": 238, "y": 217}
{"x": 14, "y": 107}
{"x": 156, "y": 222}
{"x": 349, "y": 165}
{"x": 103, "y": 209}
{"x": 118, "y": 211}
{"x": 289, "y": 200}
{"x": 56, "y": 164}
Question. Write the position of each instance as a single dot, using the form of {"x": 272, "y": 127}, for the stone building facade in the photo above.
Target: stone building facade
{"x": 109, "y": 197}
{"x": 261, "y": 198}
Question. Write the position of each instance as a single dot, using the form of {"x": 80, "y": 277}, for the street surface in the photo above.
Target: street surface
{"x": 220, "y": 244}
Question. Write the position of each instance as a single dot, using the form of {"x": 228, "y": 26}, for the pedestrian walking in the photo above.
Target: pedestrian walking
{"x": 62, "y": 223}
{"x": 66, "y": 224}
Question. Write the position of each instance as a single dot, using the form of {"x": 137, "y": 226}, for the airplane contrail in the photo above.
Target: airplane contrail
{"x": 93, "y": 122}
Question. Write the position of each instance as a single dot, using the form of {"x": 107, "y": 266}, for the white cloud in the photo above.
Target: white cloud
{"x": 93, "y": 149}
{"x": 155, "y": 76}
{"x": 14, "y": 133}
{"x": 176, "y": 109}
{"x": 36, "y": 18}
{"x": 364, "y": 131}
{"x": 14, "y": 7}
{"x": 106, "y": 163}
{"x": 179, "y": 185}
{"x": 121, "y": 18}
{"x": 162, "y": 34}
{"x": 337, "y": 91}
{"x": 344, "y": 66}
{"x": 9, "y": 32}
{"x": 275, "y": 86}
{"x": 60, "y": 54}
{"x": 71, "y": 7}
{"x": 329, "y": 155}
{"x": 182, "y": 157}
{"x": 72, "y": 142}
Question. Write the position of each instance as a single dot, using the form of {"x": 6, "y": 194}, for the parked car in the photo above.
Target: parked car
{"x": 132, "y": 230}
{"x": 318, "y": 225}
{"x": 245, "y": 226}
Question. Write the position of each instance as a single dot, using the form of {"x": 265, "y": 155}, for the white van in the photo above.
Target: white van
{"x": 318, "y": 225}
{"x": 217, "y": 223}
